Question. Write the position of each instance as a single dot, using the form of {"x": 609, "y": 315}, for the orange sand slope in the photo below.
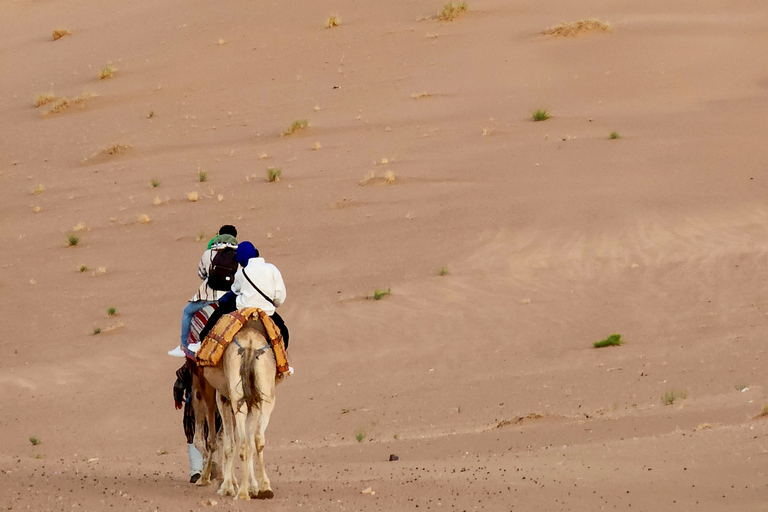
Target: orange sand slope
{"x": 550, "y": 235}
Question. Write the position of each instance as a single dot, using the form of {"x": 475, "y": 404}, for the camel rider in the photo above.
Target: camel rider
{"x": 206, "y": 293}
{"x": 257, "y": 284}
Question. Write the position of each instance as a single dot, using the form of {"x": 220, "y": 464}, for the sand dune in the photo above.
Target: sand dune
{"x": 551, "y": 235}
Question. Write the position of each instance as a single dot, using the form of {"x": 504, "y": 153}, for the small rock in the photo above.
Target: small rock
{"x": 368, "y": 490}
{"x": 393, "y": 458}
{"x": 209, "y": 503}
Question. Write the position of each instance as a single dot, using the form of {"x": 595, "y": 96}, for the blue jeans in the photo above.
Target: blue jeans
{"x": 186, "y": 319}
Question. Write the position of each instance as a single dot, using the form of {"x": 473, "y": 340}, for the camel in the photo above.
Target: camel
{"x": 242, "y": 386}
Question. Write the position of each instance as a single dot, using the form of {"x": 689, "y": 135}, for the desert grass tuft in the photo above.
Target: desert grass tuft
{"x": 34, "y": 440}
{"x": 540, "y": 115}
{"x": 296, "y": 126}
{"x": 763, "y": 412}
{"x": 574, "y": 28}
{"x": 107, "y": 71}
{"x": 115, "y": 149}
{"x": 671, "y": 397}
{"x": 202, "y": 175}
{"x": 333, "y": 21}
{"x": 389, "y": 177}
{"x": 451, "y": 11}
{"x": 380, "y": 294}
{"x": 192, "y": 197}
{"x": 614, "y": 135}
{"x": 154, "y": 182}
{"x": 360, "y": 434}
{"x": 144, "y": 218}
{"x": 274, "y": 175}
{"x": 82, "y": 268}
{"x": 614, "y": 340}
{"x": 60, "y": 32}
{"x": 39, "y": 189}
{"x": 112, "y": 311}
{"x": 44, "y": 99}
{"x": 443, "y": 271}
{"x": 64, "y": 104}
{"x": 72, "y": 240}
{"x": 316, "y": 146}
{"x": 96, "y": 330}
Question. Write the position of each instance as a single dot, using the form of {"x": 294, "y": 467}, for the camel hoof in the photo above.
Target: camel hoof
{"x": 203, "y": 482}
{"x": 242, "y": 496}
{"x": 226, "y": 490}
{"x": 265, "y": 495}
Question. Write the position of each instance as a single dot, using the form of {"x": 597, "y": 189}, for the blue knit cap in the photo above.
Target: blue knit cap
{"x": 246, "y": 251}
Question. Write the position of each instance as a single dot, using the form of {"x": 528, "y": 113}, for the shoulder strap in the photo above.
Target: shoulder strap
{"x": 257, "y": 288}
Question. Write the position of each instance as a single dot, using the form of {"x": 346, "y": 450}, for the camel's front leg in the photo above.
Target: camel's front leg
{"x": 262, "y": 420}
{"x": 227, "y": 425}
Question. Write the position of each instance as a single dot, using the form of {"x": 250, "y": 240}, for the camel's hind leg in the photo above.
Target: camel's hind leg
{"x": 208, "y": 397}
{"x": 246, "y": 451}
{"x": 262, "y": 415}
{"x": 227, "y": 425}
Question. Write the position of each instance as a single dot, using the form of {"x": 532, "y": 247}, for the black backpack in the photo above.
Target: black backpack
{"x": 223, "y": 268}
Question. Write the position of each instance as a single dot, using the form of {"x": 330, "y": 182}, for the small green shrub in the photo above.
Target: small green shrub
{"x": 34, "y": 440}
{"x": 202, "y": 176}
{"x": 296, "y": 126}
{"x": 613, "y": 135}
{"x": 540, "y": 115}
{"x": 83, "y": 268}
{"x": 379, "y": 294}
{"x": 154, "y": 182}
{"x": 360, "y": 434}
{"x": 73, "y": 240}
{"x": 112, "y": 311}
{"x": 443, "y": 271}
{"x": 96, "y": 330}
{"x": 107, "y": 71}
{"x": 451, "y": 11}
{"x": 671, "y": 396}
{"x": 274, "y": 175}
{"x": 614, "y": 340}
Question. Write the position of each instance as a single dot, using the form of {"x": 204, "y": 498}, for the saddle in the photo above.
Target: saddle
{"x": 225, "y": 330}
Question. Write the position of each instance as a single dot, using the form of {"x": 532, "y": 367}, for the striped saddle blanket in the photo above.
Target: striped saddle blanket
{"x": 225, "y": 330}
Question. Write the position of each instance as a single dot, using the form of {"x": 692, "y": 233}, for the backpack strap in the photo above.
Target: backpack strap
{"x": 257, "y": 288}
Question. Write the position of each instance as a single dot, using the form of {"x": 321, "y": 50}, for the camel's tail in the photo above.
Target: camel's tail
{"x": 251, "y": 395}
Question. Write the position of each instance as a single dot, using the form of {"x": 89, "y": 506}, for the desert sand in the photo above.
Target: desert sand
{"x": 551, "y": 235}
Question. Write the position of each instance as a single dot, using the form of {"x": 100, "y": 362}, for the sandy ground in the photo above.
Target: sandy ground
{"x": 483, "y": 381}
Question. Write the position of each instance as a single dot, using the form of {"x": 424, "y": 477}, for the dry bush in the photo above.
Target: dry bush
{"x": 333, "y": 21}
{"x": 316, "y": 146}
{"x": 419, "y": 95}
{"x": 60, "y": 32}
{"x": 65, "y": 103}
{"x": 144, "y": 218}
{"x": 192, "y": 197}
{"x": 451, "y": 11}
{"x": 44, "y": 99}
{"x": 114, "y": 149}
{"x": 389, "y": 177}
{"x": 577, "y": 27}
{"x": 39, "y": 189}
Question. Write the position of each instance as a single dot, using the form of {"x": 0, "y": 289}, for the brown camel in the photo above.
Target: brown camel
{"x": 242, "y": 385}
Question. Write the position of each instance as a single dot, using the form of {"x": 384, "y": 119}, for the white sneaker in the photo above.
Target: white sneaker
{"x": 177, "y": 352}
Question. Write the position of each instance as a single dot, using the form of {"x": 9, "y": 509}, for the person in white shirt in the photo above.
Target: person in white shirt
{"x": 257, "y": 284}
